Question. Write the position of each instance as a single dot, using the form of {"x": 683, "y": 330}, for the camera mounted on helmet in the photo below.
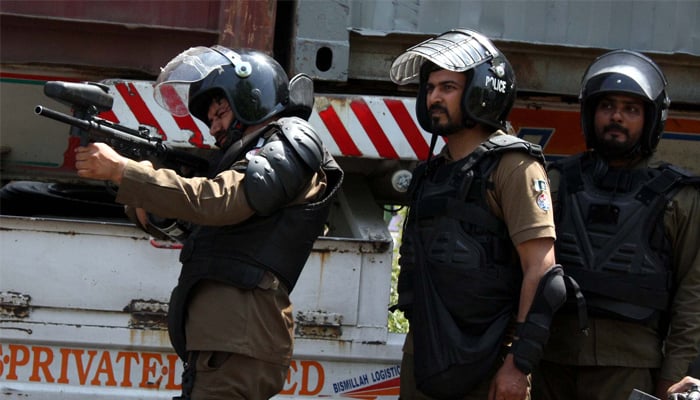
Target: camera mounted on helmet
{"x": 632, "y": 73}
{"x": 491, "y": 90}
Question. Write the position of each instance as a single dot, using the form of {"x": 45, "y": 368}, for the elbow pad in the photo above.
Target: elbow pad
{"x": 283, "y": 167}
{"x": 532, "y": 335}
{"x": 175, "y": 229}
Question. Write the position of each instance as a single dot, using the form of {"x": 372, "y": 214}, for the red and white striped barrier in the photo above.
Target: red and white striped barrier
{"x": 368, "y": 127}
{"x": 358, "y": 126}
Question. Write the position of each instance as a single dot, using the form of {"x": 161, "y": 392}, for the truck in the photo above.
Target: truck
{"x": 84, "y": 293}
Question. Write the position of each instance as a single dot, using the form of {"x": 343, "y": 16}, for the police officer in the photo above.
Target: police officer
{"x": 477, "y": 258}
{"x": 247, "y": 229}
{"x": 628, "y": 231}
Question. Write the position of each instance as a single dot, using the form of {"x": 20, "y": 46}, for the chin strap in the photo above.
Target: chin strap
{"x": 234, "y": 133}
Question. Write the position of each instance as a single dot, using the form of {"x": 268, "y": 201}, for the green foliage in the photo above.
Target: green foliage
{"x": 397, "y": 321}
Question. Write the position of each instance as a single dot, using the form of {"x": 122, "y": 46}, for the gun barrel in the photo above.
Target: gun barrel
{"x": 61, "y": 117}
{"x": 101, "y": 132}
{"x": 94, "y": 129}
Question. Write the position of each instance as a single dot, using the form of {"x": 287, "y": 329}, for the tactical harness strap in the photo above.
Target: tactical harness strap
{"x": 660, "y": 185}
{"x": 188, "y": 376}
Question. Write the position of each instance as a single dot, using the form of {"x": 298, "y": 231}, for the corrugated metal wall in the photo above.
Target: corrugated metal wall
{"x": 661, "y": 26}
{"x": 549, "y": 42}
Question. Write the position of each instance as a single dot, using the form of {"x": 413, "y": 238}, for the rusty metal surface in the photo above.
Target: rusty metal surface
{"x": 119, "y": 50}
{"x": 318, "y": 324}
{"x": 127, "y": 39}
{"x": 248, "y": 24}
{"x": 202, "y": 14}
{"x": 147, "y": 314}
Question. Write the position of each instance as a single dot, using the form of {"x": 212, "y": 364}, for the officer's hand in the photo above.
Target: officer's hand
{"x": 142, "y": 216}
{"x": 509, "y": 383}
{"x": 99, "y": 161}
{"x": 683, "y": 385}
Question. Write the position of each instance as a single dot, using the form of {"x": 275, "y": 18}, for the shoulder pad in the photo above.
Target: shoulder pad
{"x": 685, "y": 175}
{"x": 509, "y": 142}
{"x": 565, "y": 162}
{"x": 671, "y": 177}
{"x": 303, "y": 139}
{"x": 505, "y": 140}
{"x": 283, "y": 166}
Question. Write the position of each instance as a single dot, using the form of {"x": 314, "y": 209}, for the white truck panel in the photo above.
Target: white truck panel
{"x": 71, "y": 329}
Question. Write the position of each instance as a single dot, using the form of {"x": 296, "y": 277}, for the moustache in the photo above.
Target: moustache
{"x": 615, "y": 127}
{"x": 436, "y": 107}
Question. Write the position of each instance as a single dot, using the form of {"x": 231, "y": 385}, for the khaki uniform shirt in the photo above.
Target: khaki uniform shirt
{"x": 618, "y": 343}
{"x": 516, "y": 197}
{"x": 257, "y": 323}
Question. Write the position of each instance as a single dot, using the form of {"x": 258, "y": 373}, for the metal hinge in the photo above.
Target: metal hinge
{"x": 319, "y": 324}
{"x": 148, "y": 314}
{"x": 14, "y": 305}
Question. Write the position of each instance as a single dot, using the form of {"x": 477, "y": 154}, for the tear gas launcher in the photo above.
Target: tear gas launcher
{"x": 89, "y": 99}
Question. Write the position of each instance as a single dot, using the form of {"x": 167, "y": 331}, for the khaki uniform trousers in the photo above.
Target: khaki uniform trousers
{"x": 409, "y": 391}
{"x": 226, "y": 376}
{"x": 553, "y": 381}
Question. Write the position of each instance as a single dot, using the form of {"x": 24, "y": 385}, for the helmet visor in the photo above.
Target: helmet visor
{"x": 648, "y": 80}
{"x": 457, "y": 51}
{"x": 172, "y": 86}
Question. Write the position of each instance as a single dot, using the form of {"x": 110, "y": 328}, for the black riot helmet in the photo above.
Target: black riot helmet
{"x": 490, "y": 92}
{"x": 627, "y": 72}
{"x": 255, "y": 85}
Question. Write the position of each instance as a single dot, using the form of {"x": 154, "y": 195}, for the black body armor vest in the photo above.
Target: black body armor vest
{"x": 610, "y": 235}
{"x": 460, "y": 274}
{"x": 239, "y": 255}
